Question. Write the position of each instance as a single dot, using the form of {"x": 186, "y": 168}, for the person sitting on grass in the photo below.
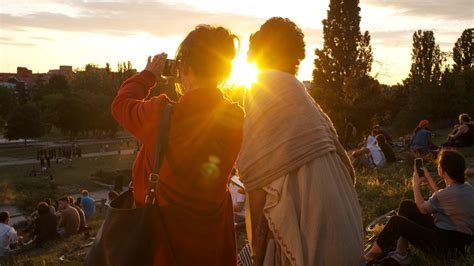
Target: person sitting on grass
{"x": 82, "y": 217}
{"x": 69, "y": 219}
{"x": 370, "y": 156}
{"x": 111, "y": 196}
{"x": 441, "y": 226}
{"x": 421, "y": 142}
{"x": 388, "y": 137}
{"x": 386, "y": 149}
{"x": 88, "y": 204}
{"x": 8, "y": 236}
{"x": 45, "y": 225}
{"x": 463, "y": 134}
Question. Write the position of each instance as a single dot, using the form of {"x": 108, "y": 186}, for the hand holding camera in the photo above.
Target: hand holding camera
{"x": 160, "y": 66}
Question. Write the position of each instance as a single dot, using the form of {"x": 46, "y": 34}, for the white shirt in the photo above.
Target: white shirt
{"x": 237, "y": 197}
{"x": 7, "y": 237}
{"x": 377, "y": 155}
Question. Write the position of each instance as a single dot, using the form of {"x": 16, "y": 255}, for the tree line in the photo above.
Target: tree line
{"x": 77, "y": 105}
{"x": 439, "y": 86}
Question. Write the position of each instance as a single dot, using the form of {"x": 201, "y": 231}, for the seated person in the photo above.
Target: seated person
{"x": 463, "y": 134}
{"x": 369, "y": 157}
{"x": 69, "y": 219}
{"x": 379, "y": 130}
{"x": 88, "y": 203}
{"x": 52, "y": 209}
{"x": 8, "y": 236}
{"x": 386, "y": 149}
{"x": 442, "y": 226}
{"x": 45, "y": 225}
{"x": 238, "y": 202}
{"x": 421, "y": 142}
{"x": 112, "y": 195}
{"x": 82, "y": 217}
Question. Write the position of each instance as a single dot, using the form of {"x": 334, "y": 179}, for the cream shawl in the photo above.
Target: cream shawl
{"x": 284, "y": 129}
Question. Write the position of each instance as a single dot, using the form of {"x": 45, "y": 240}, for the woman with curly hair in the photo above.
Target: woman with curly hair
{"x": 204, "y": 139}
{"x": 299, "y": 179}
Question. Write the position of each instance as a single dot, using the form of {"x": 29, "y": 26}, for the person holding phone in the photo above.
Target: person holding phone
{"x": 204, "y": 139}
{"x": 442, "y": 226}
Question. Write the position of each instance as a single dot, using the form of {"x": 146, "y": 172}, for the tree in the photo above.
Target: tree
{"x": 58, "y": 83}
{"x": 463, "y": 51}
{"x": 8, "y": 103}
{"x": 24, "y": 123}
{"x": 426, "y": 60}
{"x": 345, "y": 58}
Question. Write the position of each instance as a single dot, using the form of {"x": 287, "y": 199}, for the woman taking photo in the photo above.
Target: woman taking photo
{"x": 204, "y": 139}
{"x": 442, "y": 226}
{"x": 304, "y": 208}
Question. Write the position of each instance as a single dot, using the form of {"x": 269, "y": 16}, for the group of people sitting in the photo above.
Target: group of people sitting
{"x": 61, "y": 219}
{"x": 375, "y": 151}
{"x": 461, "y": 136}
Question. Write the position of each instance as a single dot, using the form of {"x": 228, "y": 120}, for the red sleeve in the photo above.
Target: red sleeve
{"x": 137, "y": 115}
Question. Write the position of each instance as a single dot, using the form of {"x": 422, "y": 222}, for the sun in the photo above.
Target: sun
{"x": 242, "y": 74}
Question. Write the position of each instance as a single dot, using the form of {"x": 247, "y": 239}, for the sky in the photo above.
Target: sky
{"x": 41, "y": 34}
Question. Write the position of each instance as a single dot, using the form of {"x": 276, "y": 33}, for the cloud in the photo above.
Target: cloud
{"x": 129, "y": 18}
{"x": 11, "y": 43}
{"x": 404, "y": 38}
{"x": 452, "y": 9}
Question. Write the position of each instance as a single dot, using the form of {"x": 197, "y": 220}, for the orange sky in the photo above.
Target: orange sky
{"x": 42, "y": 35}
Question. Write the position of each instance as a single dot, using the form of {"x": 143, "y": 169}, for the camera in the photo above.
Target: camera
{"x": 171, "y": 68}
{"x": 419, "y": 167}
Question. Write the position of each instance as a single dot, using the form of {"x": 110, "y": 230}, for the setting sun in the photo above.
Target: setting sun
{"x": 243, "y": 74}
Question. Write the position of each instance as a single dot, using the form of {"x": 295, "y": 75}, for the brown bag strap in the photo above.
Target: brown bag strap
{"x": 161, "y": 143}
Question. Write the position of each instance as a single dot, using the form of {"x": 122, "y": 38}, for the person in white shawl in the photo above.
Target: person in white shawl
{"x": 303, "y": 206}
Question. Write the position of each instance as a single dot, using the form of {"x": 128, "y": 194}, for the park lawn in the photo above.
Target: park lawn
{"x": 49, "y": 254}
{"x": 25, "y": 191}
{"x": 379, "y": 191}
{"x": 29, "y": 151}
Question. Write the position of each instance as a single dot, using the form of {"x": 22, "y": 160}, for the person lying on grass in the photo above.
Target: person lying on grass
{"x": 442, "y": 226}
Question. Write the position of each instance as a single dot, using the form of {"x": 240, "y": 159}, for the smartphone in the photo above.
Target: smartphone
{"x": 419, "y": 166}
{"x": 171, "y": 68}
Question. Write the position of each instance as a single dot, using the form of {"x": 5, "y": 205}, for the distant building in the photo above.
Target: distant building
{"x": 29, "y": 79}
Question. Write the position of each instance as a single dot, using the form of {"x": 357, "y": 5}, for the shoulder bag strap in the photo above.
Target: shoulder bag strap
{"x": 161, "y": 142}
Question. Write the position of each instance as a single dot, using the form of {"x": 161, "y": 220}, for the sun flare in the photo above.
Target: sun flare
{"x": 243, "y": 74}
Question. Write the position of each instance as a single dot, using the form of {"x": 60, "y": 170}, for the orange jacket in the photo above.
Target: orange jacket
{"x": 204, "y": 141}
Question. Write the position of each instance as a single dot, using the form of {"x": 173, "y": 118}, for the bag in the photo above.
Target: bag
{"x": 131, "y": 235}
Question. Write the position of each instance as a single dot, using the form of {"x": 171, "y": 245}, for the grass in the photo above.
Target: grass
{"x": 17, "y": 188}
{"x": 382, "y": 190}
{"x": 29, "y": 152}
{"x": 379, "y": 191}
{"x": 51, "y": 251}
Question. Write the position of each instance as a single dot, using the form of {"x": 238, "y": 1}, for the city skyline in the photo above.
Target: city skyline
{"x": 45, "y": 34}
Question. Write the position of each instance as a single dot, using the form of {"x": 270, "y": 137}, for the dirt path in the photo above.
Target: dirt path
{"x": 86, "y": 155}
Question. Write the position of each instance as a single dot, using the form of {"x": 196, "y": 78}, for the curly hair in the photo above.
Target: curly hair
{"x": 208, "y": 51}
{"x": 279, "y": 44}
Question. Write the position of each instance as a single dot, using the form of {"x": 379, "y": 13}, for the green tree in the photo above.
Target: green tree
{"x": 344, "y": 61}
{"x": 8, "y": 103}
{"x": 24, "y": 123}
{"x": 422, "y": 88}
{"x": 58, "y": 83}
{"x": 463, "y": 51}
{"x": 426, "y": 60}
